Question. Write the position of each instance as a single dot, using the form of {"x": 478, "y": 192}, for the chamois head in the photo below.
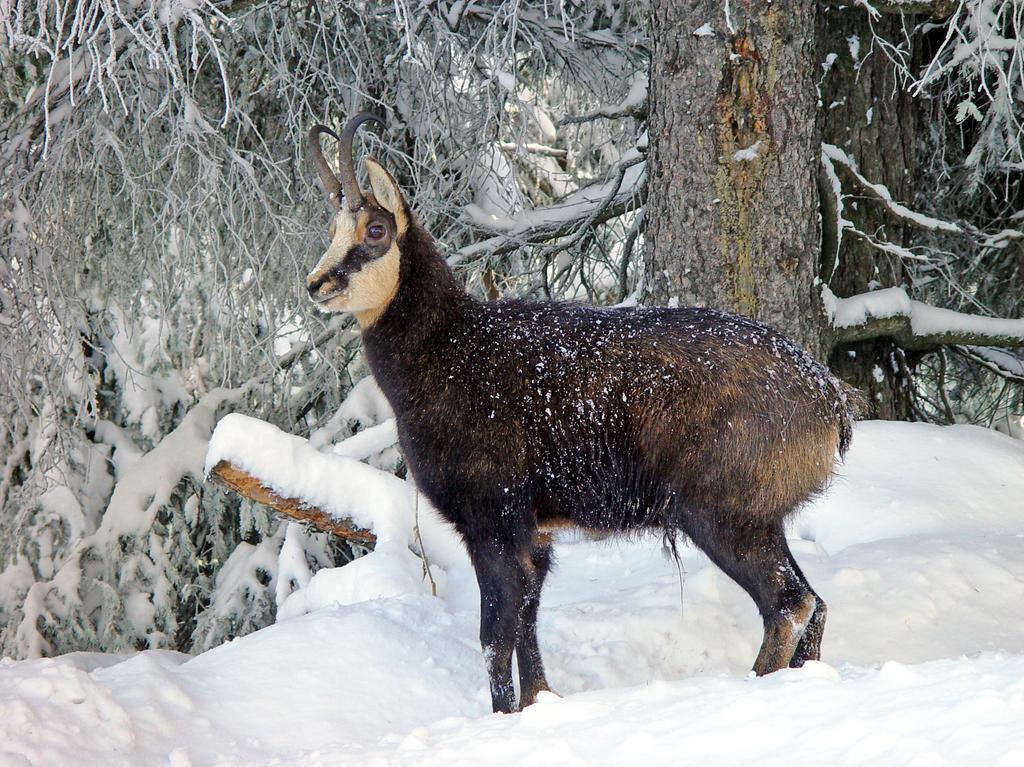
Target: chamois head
{"x": 359, "y": 271}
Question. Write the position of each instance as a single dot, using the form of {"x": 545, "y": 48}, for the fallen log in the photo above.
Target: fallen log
{"x": 230, "y": 476}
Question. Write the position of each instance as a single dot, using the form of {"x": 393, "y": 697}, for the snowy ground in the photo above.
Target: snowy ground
{"x": 918, "y": 549}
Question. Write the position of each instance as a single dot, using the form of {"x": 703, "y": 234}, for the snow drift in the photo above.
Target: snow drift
{"x": 918, "y": 548}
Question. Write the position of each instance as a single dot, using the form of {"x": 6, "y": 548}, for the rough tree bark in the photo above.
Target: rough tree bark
{"x": 735, "y": 149}
{"x": 865, "y": 113}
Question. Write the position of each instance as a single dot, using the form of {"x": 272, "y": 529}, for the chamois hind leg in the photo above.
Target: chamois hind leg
{"x": 531, "y": 667}
{"x": 809, "y": 646}
{"x": 503, "y": 584}
{"x": 758, "y": 559}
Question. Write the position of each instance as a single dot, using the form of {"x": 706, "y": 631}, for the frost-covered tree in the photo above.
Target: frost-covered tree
{"x": 159, "y": 218}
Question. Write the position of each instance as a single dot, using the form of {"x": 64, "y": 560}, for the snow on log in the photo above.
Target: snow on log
{"x": 248, "y": 486}
{"x": 333, "y": 493}
{"x": 912, "y": 324}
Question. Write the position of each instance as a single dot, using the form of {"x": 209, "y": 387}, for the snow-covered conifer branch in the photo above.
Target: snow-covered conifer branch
{"x": 912, "y": 324}
{"x": 979, "y": 68}
{"x": 833, "y": 154}
{"x": 1004, "y": 363}
{"x": 930, "y": 226}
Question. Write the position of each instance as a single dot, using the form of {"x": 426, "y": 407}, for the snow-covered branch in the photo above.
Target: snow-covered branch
{"x": 912, "y": 324}
{"x": 937, "y": 9}
{"x": 931, "y": 228}
{"x": 978, "y": 67}
{"x": 248, "y": 486}
{"x": 541, "y": 23}
{"x": 576, "y": 213}
{"x": 1003, "y": 363}
{"x": 633, "y": 105}
{"x": 833, "y": 154}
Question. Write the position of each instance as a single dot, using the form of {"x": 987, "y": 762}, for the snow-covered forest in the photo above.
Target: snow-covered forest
{"x": 159, "y": 215}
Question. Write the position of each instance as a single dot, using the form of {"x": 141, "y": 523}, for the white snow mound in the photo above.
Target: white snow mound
{"x": 918, "y": 549}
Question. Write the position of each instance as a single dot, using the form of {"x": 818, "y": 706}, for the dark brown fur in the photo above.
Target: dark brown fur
{"x": 519, "y": 417}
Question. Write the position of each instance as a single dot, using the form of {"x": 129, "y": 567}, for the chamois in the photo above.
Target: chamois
{"x": 517, "y": 418}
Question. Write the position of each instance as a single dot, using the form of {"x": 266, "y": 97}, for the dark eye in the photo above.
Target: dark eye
{"x": 376, "y": 232}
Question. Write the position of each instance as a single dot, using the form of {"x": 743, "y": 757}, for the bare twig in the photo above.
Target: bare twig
{"x": 419, "y": 542}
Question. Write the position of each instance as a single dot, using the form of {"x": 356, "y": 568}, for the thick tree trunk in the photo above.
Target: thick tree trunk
{"x": 735, "y": 150}
{"x": 873, "y": 120}
{"x": 739, "y": 109}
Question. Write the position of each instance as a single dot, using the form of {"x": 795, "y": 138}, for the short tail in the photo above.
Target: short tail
{"x": 850, "y": 406}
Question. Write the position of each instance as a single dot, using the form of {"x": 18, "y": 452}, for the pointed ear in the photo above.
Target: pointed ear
{"x": 386, "y": 192}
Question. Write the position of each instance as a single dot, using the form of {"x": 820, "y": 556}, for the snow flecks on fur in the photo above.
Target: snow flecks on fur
{"x": 568, "y": 336}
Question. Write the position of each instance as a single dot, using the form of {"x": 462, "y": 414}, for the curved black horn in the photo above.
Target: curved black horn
{"x": 346, "y": 159}
{"x": 330, "y": 182}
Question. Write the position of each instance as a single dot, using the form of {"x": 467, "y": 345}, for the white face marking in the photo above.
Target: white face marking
{"x": 344, "y": 239}
{"x": 368, "y": 289}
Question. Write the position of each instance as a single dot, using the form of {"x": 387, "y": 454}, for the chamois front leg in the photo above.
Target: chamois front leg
{"x": 502, "y": 582}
